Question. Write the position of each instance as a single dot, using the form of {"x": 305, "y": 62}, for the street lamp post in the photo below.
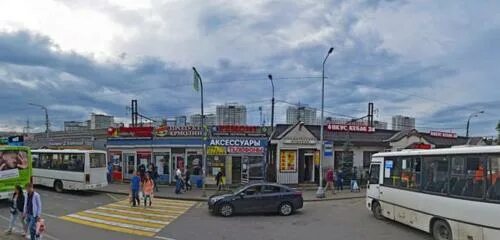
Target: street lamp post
{"x": 47, "y": 130}
{"x": 474, "y": 114}
{"x": 270, "y": 154}
{"x": 321, "y": 193}
{"x": 272, "y": 101}
{"x": 203, "y": 135}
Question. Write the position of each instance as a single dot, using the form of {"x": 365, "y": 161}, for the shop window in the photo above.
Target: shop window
{"x": 216, "y": 164}
{"x": 367, "y": 157}
{"x": 256, "y": 167}
{"x": 162, "y": 163}
{"x": 435, "y": 174}
{"x": 194, "y": 163}
{"x": 493, "y": 178}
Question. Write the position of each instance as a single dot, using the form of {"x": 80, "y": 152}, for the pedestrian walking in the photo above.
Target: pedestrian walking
{"x": 340, "y": 181}
{"x": 32, "y": 209}
{"x": 135, "y": 184}
{"x": 148, "y": 187}
{"x": 155, "y": 176}
{"x": 110, "y": 172}
{"x": 142, "y": 172}
{"x": 354, "y": 180}
{"x": 16, "y": 210}
{"x": 219, "y": 181}
{"x": 330, "y": 179}
{"x": 178, "y": 181}
{"x": 187, "y": 179}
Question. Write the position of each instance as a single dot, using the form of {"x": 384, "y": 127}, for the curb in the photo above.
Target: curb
{"x": 204, "y": 200}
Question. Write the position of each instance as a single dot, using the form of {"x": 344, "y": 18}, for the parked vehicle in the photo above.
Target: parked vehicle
{"x": 257, "y": 198}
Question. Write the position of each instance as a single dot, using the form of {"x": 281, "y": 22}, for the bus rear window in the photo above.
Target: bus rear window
{"x": 97, "y": 160}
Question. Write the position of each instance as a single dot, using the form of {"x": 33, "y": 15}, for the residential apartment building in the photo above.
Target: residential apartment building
{"x": 304, "y": 114}
{"x": 400, "y": 122}
{"x": 231, "y": 114}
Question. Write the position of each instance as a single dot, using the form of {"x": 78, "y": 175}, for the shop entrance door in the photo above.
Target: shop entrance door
{"x": 236, "y": 171}
{"x": 308, "y": 167}
{"x": 245, "y": 171}
{"x": 130, "y": 165}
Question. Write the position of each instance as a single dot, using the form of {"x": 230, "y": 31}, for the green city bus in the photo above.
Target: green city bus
{"x": 15, "y": 169}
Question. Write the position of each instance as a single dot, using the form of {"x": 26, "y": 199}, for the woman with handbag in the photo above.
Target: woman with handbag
{"x": 16, "y": 210}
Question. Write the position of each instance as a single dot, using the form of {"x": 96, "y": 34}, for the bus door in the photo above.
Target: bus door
{"x": 373, "y": 190}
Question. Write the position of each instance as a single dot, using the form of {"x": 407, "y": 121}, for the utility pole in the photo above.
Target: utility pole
{"x": 260, "y": 112}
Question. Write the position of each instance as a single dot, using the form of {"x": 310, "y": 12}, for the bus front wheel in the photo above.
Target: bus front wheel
{"x": 441, "y": 230}
{"x": 377, "y": 211}
{"x": 58, "y": 186}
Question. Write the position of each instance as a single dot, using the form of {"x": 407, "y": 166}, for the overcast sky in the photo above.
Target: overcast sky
{"x": 437, "y": 61}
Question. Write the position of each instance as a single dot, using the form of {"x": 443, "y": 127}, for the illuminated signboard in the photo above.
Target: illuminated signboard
{"x": 177, "y": 131}
{"x": 443, "y": 134}
{"x": 130, "y": 132}
{"x": 216, "y": 150}
{"x": 257, "y": 150}
{"x": 350, "y": 128}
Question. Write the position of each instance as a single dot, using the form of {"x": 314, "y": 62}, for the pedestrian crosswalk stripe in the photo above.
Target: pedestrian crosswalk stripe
{"x": 127, "y": 218}
{"x": 121, "y": 217}
{"x": 116, "y": 224}
{"x": 146, "y": 210}
{"x": 107, "y": 227}
{"x": 134, "y": 214}
{"x": 157, "y": 206}
{"x": 120, "y": 220}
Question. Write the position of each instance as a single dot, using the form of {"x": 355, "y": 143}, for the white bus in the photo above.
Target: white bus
{"x": 69, "y": 169}
{"x": 452, "y": 193}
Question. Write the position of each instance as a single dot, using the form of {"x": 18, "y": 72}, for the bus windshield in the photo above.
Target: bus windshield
{"x": 97, "y": 160}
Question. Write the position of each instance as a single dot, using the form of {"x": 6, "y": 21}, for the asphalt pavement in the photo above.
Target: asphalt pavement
{"x": 339, "y": 219}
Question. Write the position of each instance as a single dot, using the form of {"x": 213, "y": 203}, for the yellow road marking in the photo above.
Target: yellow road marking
{"x": 145, "y": 210}
{"x": 134, "y": 214}
{"x": 157, "y": 202}
{"x": 120, "y": 220}
{"x": 155, "y": 206}
{"x": 108, "y": 227}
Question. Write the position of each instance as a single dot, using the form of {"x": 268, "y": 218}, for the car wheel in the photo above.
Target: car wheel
{"x": 226, "y": 210}
{"x": 58, "y": 186}
{"x": 377, "y": 211}
{"x": 441, "y": 230}
{"x": 285, "y": 209}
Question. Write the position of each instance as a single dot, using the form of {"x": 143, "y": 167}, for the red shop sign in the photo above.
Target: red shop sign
{"x": 130, "y": 132}
{"x": 258, "y": 150}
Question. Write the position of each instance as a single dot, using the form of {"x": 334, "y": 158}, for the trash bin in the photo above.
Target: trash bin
{"x": 199, "y": 183}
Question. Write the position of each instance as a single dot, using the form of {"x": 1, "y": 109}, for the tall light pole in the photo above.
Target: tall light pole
{"x": 270, "y": 154}
{"x": 197, "y": 79}
{"x": 321, "y": 193}
{"x": 474, "y": 114}
{"x": 272, "y": 101}
{"x": 47, "y": 124}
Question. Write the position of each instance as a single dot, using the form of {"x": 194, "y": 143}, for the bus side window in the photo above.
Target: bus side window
{"x": 493, "y": 178}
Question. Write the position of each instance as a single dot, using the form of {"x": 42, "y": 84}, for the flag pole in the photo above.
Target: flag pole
{"x": 203, "y": 140}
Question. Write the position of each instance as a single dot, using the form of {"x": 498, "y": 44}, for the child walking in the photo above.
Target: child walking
{"x": 148, "y": 188}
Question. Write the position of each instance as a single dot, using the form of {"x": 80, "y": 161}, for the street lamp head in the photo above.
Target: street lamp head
{"x": 270, "y": 77}
{"x": 330, "y": 51}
